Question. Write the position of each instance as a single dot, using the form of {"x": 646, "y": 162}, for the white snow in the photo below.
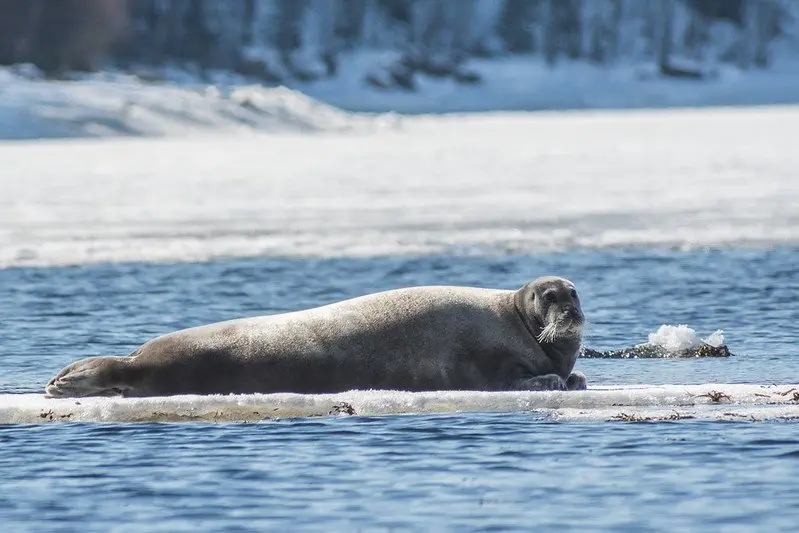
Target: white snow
{"x": 678, "y": 338}
{"x": 110, "y": 105}
{"x": 494, "y": 183}
{"x": 528, "y": 83}
{"x": 180, "y": 103}
{"x": 600, "y": 403}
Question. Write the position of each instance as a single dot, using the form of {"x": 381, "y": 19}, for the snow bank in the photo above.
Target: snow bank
{"x": 179, "y": 103}
{"x": 106, "y": 105}
{"x": 523, "y": 83}
{"x": 596, "y": 403}
{"x": 481, "y": 184}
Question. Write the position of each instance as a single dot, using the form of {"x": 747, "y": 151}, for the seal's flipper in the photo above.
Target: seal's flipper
{"x": 540, "y": 383}
{"x": 576, "y": 381}
{"x": 95, "y": 376}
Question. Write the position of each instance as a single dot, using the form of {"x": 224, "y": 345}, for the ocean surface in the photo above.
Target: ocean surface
{"x": 474, "y": 471}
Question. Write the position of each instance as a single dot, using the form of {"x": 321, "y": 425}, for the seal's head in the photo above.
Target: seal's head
{"x": 550, "y": 306}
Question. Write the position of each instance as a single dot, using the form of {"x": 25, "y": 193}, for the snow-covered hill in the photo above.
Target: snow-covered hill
{"x": 113, "y": 104}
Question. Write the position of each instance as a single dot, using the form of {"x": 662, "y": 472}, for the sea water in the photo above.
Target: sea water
{"x": 515, "y": 469}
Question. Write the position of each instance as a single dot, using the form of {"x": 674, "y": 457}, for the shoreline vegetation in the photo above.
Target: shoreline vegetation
{"x": 289, "y": 42}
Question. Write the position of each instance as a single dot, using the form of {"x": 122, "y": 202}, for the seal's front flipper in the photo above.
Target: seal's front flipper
{"x": 540, "y": 383}
{"x": 576, "y": 381}
{"x": 95, "y": 376}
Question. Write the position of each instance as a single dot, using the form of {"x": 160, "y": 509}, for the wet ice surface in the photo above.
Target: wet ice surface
{"x": 639, "y": 403}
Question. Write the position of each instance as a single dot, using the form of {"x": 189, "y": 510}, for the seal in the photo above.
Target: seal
{"x": 414, "y": 339}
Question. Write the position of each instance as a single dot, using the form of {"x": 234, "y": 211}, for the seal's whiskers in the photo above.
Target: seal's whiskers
{"x": 549, "y": 333}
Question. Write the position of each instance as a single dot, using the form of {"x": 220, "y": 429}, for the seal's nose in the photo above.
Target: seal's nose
{"x": 574, "y": 313}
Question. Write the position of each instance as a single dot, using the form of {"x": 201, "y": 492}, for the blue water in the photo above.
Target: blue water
{"x": 486, "y": 472}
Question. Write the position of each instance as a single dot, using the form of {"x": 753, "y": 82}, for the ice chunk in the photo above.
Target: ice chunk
{"x": 715, "y": 339}
{"x": 674, "y": 338}
{"x": 606, "y": 402}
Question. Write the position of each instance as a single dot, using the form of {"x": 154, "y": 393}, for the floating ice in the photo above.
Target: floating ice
{"x": 601, "y": 402}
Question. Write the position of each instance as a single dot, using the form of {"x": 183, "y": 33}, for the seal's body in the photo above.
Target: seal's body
{"x": 413, "y": 339}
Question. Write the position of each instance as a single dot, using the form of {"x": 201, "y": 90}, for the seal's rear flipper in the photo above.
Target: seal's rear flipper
{"x": 547, "y": 382}
{"x": 95, "y": 376}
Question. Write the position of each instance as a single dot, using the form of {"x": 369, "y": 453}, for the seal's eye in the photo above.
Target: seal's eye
{"x": 574, "y": 293}
{"x": 549, "y": 296}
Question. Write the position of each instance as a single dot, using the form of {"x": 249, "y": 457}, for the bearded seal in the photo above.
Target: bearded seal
{"x": 414, "y": 339}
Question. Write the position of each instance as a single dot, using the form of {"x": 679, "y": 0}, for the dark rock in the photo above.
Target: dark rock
{"x": 648, "y": 351}
{"x": 680, "y": 72}
{"x": 342, "y": 408}
{"x": 373, "y": 79}
{"x": 403, "y": 78}
{"x": 467, "y": 77}
{"x": 257, "y": 68}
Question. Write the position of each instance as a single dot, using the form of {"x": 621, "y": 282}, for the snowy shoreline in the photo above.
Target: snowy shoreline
{"x": 478, "y": 184}
{"x": 111, "y": 104}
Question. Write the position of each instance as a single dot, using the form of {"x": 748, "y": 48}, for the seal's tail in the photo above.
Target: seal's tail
{"x": 94, "y": 376}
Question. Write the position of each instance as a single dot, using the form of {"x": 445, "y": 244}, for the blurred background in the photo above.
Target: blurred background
{"x": 285, "y": 41}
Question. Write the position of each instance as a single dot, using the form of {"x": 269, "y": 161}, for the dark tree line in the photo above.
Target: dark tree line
{"x": 279, "y": 39}
{"x": 60, "y": 35}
